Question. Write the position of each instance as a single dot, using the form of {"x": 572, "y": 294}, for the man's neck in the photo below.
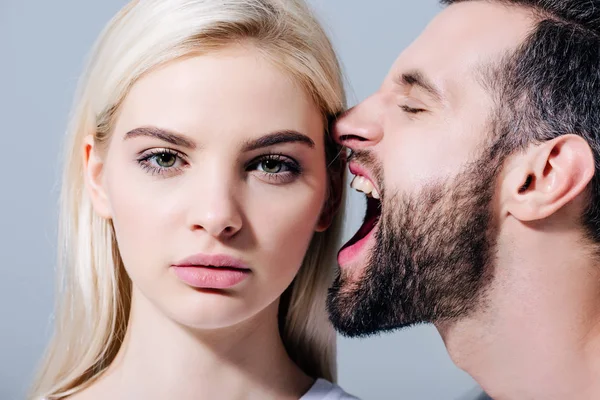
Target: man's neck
{"x": 538, "y": 337}
{"x": 160, "y": 359}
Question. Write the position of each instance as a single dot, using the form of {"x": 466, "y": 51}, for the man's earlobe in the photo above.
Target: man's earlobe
{"x": 547, "y": 176}
{"x": 93, "y": 168}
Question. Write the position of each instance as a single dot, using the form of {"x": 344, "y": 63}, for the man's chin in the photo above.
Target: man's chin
{"x": 351, "y": 328}
{"x": 365, "y": 331}
{"x": 354, "y": 315}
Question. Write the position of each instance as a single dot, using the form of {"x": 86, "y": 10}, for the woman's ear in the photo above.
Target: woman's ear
{"x": 333, "y": 203}
{"x": 547, "y": 176}
{"x": 93, "y": 167}
{"x": 337, "y": 172}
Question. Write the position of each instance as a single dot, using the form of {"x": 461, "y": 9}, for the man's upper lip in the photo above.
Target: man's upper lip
{"x": 359, "y": 170}
{"x": 213, "y": 260}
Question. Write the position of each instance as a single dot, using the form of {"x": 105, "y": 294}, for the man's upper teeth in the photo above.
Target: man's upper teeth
{"x": 364, "y": 185}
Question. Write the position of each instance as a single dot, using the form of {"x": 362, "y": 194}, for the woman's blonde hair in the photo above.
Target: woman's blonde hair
{"x": 94, "y": 290}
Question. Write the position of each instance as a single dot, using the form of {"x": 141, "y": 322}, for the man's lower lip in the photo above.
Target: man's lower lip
{"x": 351, "y": 253}
{"x": 210, "y": 278}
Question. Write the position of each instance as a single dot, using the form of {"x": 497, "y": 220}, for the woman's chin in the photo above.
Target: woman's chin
{"x": 207, "y": 310}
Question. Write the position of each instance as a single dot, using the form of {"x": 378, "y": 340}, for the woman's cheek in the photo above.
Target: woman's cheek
{"x": 284, "y": 228}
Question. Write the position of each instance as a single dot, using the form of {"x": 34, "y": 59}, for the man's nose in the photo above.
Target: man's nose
{"x": 360, "y": 127}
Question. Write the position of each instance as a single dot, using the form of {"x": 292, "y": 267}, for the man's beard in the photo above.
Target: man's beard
{"x": 432, "y": 260}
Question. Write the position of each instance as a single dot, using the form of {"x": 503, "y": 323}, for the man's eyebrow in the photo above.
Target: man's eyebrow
{"x": 279, "y": 137}
{"x": 165, "y": 135}
{"x": 416, "y": 78}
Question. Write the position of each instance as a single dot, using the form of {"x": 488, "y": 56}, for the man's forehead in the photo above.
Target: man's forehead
{"x": 462, "y": 38}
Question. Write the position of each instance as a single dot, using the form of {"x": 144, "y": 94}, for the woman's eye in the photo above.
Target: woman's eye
{"x": 275, "y": 168}
{"x": 275, "y": 164}
{"x": 165, "y": 160}
{"x": 162, "y": 161}
{"x": 270, "y": 166}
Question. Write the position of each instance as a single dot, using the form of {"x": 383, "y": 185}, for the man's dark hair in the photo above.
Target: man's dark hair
{"x": 550, "y": 85}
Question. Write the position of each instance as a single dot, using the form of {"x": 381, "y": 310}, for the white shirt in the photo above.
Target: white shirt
{"x": 325, "y": 390}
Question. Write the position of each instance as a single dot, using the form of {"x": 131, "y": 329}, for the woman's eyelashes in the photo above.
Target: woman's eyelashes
{"x": 273, "y": 168}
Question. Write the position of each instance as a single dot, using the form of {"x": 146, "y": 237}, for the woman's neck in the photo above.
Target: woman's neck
{"x": 161, "y": 359}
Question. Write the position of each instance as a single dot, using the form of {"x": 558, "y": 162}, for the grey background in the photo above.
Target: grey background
{"x": 42, "y": 46}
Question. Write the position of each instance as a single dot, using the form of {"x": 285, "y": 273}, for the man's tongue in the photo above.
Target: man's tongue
{"x": 371, "y": 219}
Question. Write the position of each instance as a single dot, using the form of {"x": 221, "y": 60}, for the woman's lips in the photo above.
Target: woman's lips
{"x": 206, "y": 277}
{"x": 205, "y": 271}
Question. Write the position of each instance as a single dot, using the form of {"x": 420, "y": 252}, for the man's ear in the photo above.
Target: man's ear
{"x": 547, "y": 176}
{"x": 93, "y": 167}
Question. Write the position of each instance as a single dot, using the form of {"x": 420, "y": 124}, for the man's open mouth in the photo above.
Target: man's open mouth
{"x": 362, "y": 182}
{"x": 370, "y": 222}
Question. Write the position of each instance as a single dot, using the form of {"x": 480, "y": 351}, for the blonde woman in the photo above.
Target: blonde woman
{"x": 198, "y": 212}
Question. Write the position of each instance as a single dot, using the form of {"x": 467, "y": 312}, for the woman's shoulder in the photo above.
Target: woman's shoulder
{"x": 325, "y": 390}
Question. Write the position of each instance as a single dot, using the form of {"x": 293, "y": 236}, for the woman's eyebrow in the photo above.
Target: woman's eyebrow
{"x": 165, "y": 135}
{"x": 279, "y": 137}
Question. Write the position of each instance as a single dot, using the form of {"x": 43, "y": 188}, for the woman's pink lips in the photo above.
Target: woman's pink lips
{"x": 202, "y": 277}
{"x": 211, "y": 271}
